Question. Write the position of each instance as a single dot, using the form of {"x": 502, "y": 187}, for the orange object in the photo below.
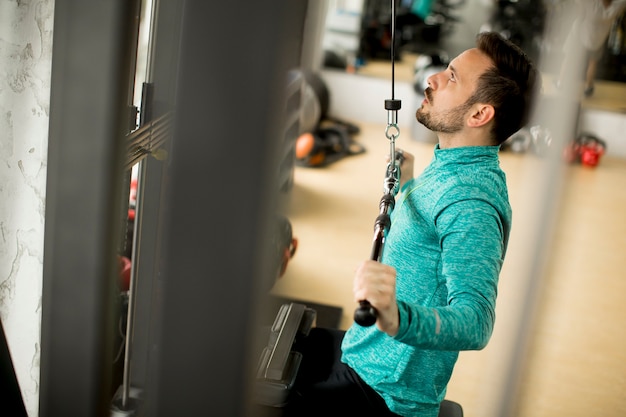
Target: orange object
{"x": 317, "y": 159}
{"x": 304, "y": 145}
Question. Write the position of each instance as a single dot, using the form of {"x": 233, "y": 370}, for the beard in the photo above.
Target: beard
{"x": 448, "y": 121}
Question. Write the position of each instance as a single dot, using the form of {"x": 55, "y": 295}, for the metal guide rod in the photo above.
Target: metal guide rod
{"x": 366, "y": 314}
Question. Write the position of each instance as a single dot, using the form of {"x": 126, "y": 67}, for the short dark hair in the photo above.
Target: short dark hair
{"x": 509, "y": 86}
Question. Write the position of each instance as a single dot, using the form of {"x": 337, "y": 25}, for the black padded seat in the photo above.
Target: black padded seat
{"x": 450, "y": 409}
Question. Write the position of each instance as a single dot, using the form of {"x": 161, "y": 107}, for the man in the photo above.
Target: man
{"x": 435, "y": 289}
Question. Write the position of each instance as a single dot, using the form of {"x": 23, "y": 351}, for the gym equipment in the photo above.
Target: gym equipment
{"x": 322, "y": 139}
{"x": 520, "y": 21}
{"x": 278, "y": 365}
{"x": 365, "y": 314}
{"x": 591, "y": 149}
{"x": 325, "y": 145}
{"x": 420, "y": 26}
{"x": 316, "y": 105}
{"x": 536, "y": 138}
{"x": 450, "y": 409}
{"x": 586, "y": 149}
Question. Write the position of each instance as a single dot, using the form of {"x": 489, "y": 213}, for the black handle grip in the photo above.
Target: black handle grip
{"x": 365, "y": 315}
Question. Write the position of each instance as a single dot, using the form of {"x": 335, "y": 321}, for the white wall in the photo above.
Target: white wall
{"x": 360, "y": 98}
{"x": 25, "y": 63}
{"x": 609, "y": 126}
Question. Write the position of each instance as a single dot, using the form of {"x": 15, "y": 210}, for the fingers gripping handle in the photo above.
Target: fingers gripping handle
{"x": 366, "y": 315}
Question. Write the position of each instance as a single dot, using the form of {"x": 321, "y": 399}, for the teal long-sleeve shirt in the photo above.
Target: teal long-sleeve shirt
{"x": 448, "y": 237}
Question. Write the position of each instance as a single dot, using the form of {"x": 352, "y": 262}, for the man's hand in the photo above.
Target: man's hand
{"x": 376, "y": 283}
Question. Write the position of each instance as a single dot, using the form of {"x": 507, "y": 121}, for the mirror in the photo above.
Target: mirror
{"x": 357, "y": 33}
{"x": 328, "y": 204}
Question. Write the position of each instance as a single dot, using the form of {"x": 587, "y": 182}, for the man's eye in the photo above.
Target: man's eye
{"x": 452, "y": 77}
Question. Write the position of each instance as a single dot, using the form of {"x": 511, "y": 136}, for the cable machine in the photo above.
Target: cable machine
{"x": 366, "y": 314}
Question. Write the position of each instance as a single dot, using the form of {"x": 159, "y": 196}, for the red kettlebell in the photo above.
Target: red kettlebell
{"x": 591, "y": 150}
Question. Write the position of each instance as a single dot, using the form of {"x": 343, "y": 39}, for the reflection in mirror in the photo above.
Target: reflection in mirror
{"x": 536, "y": 363}
{"x": 357, "y": 32}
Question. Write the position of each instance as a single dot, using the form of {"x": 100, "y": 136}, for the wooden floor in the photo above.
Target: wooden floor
{"x": 568, "y": 247}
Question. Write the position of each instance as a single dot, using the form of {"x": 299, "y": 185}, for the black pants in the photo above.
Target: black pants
{"x": 325, "y": 386}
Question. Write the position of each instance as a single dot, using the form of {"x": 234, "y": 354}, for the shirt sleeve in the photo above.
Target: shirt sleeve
{"x": 471, "y": 236}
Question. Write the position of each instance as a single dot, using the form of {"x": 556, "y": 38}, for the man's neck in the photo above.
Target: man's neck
{"x": 460, "y": 140}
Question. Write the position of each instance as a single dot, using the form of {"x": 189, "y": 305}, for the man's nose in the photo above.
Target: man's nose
{"x": 432, "y": 81}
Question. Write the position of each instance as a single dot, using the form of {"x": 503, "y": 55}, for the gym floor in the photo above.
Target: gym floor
{"x": 576, "y": 359}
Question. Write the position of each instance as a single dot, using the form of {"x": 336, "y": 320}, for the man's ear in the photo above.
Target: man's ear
{"x": 481, "y": 115}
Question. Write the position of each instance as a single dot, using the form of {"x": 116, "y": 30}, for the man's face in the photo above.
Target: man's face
{"x": 446, "y": 106}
